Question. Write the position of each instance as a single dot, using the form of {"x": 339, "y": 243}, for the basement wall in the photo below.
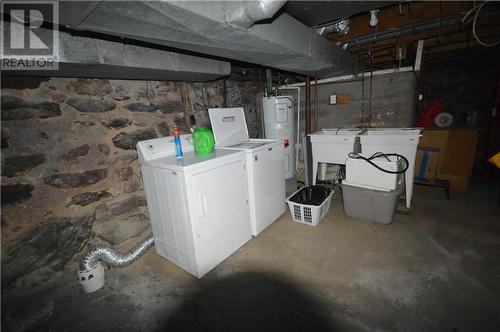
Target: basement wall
{"x": 70, "y": 175}
{"x": 393, "y": 101}
{"x": 467, "y": 87}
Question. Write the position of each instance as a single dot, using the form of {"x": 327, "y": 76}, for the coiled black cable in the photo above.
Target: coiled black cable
{"x": 382, "y": 155}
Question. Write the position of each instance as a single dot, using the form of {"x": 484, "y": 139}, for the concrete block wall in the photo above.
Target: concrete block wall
{"x": 393, "y": 102}
{"x": 70, "y": 176}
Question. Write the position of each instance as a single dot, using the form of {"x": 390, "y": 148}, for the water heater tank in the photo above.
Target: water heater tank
{"x": 278, "y": 124}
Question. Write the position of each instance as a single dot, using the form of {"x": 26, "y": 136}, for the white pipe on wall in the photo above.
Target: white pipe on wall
{"x": 349, "y": 77}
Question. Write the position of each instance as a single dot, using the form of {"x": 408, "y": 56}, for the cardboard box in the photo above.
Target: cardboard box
{"x": 457, "y": 152}
{"x": 426, "y": 164}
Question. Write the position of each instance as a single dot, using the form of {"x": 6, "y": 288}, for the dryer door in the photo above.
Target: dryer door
{"x": 220, "y": 195}
{"x": 219, "y": 212}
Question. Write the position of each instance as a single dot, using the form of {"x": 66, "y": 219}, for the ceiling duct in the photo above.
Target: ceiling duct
{"x": 246, "y": 14}
{"x": 341, "y": 28}
{"x": 216, "y": 28}
{"x": 97, "y": 58}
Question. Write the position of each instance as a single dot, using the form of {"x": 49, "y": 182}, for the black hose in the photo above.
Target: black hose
{"x": 382, "y": 155}
{"x": 285, "y": 97}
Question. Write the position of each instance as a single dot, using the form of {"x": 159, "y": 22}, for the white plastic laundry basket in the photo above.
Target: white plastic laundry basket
{"x": 309, "y": 214}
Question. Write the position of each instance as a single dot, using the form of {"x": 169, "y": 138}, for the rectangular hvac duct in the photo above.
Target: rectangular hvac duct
{"x": 218, "y": 28}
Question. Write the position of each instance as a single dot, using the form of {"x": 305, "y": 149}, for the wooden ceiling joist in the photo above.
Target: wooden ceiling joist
{"x": 451, "y": 37}
{"x": 411, "y": 13}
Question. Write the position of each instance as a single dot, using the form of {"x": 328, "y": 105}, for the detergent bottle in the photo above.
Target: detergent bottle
{"x": 203, "y": 141}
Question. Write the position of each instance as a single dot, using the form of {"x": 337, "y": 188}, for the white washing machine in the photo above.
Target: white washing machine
{"x": 198, "y": 205}
{"x": 265, "y": 161}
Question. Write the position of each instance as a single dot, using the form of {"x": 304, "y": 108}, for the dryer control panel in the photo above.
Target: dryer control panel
{"x": 162, "y": 147}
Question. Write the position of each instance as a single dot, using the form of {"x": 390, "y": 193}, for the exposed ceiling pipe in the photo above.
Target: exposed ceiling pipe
{"x": 244, "y": 16}
{"x": 346, "y": 78}
{"x": 410, "y": 29}
{"x": 403, "y": 31}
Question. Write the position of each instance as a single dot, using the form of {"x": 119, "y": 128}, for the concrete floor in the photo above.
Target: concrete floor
{"x": 437, "y": 269}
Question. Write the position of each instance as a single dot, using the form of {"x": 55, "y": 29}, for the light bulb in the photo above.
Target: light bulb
{"x": 373, "y": 17}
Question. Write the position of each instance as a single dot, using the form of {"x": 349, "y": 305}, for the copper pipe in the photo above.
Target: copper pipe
{"x": 308, "y": 105}
{"x": 316, "y": 104}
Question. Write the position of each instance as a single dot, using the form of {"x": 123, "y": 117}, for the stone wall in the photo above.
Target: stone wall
{"x": 70, "y": 176}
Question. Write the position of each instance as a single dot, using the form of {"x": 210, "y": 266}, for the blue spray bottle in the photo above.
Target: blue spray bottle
{"x": 177, "y": 140}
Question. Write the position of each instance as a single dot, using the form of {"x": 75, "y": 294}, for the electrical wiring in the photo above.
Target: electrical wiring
{"x": 285, "y": 97}
{"x": 477, "y": 10}
{"x": 382, "y": 155}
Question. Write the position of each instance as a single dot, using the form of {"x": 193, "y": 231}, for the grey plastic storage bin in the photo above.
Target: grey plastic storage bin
{"x": 368, "y": 204}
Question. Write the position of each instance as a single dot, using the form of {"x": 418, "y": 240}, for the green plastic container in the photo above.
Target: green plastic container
{"x": 203, "y": 141}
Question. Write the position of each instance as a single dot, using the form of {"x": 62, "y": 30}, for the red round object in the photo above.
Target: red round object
{"x": 426, "y": 119}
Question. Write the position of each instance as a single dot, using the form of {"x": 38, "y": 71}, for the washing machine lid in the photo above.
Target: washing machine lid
{"x": 228, "y": 126}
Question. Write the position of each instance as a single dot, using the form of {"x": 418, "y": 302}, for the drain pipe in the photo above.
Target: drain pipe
{"x": 308, "y": 105}
{"x": 91, "y": 277}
